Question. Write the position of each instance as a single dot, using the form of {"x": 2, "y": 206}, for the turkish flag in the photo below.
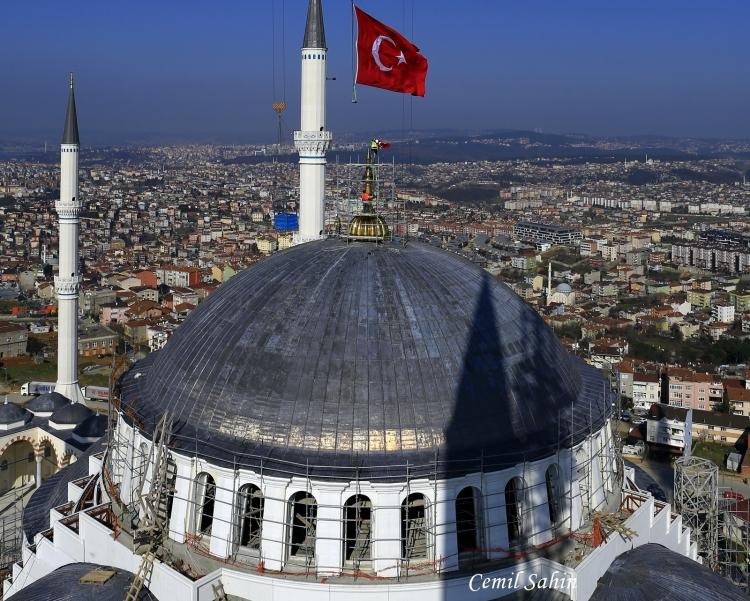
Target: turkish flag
{"x": 386, "y": 59}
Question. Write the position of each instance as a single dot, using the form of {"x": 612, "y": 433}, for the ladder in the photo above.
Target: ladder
{"x": 155, "y": 502}
{"x": 218, "y": 589}
{"x": 361, "y": 549}
{"x": 143, "y": 574}
{"x": 416, "y": 545}
{"x": 584, "y": 483}
{"x": 150, "y": 532}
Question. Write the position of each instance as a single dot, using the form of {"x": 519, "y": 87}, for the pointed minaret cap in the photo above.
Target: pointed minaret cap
{"x": 315, "y": 35}
{"x": 70, "y": 135}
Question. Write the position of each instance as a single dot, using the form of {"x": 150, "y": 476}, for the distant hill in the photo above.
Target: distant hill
{"x": 426, "y": 147}
{"x": 452, "y": 146}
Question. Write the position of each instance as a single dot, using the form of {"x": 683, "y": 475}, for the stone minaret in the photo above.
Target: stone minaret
{"x": 549, "y": 282}
{"x": 67, "y": 282}
{"x": 313, "y": 140}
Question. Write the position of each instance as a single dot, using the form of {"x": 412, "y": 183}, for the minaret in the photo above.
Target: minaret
{"x": 312, "y": 141}
{"x": 67, "y": 282}
{"x": 549, "y": 282}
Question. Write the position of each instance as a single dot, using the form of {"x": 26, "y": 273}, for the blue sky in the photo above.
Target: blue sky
{"x": 200, "y": 70}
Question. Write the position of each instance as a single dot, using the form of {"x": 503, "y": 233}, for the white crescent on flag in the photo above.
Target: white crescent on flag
{"x": 376, "y": 52}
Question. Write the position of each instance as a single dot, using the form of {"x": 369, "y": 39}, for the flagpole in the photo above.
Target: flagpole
{"x": 354, "y": 54}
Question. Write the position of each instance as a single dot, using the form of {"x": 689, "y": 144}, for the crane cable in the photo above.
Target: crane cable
{"x": 276, "y": 42}
{"x": 273, "y": 50}
{"x": 278, "y": 104}
{"x": 410, "y": 112}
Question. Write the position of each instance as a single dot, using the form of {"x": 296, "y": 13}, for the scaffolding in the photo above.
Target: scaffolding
{"x": 415, "y": 548}
{"x": 347, "y": 197}
{"x": 734, "y": 539}
{"x": 153, "y": 526}
{"x": 696, "y": 497}
{"x": 11, "y": 531}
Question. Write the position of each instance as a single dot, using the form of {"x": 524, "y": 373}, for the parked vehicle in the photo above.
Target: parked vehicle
{"x": 37, "y": 387}
{"x": 630, "y": 449}
{"x": 100, "y": 393}
{"x": 733, "y": 494}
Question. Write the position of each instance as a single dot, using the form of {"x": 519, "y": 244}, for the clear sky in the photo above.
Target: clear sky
{"x": 203, "y": 70}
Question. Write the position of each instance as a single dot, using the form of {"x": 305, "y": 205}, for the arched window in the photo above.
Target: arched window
{"x": 469, "y": 521}
{"x": 250, "y": 524}
{"x": 357, "y": 528}
{"x": 19, "y": 469}
{"x": 554, "y": 494}
{"x": 49, "y": 463}
{"x": 204, "y": 499}
{"x": 515, "y": 509}
{"x": 414, "y": 527}
{"x": 303, "y": 512}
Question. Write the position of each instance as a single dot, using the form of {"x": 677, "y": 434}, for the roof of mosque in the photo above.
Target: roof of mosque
{"x": 47, "y": 402}
{"x": 72, "y": 413}
{"x": 654, "y": 573}
{"x": 359, "y": 356}
{"x": 54, "y": 492}
{"x": 71, "y": 583}
{"x": 11, "y": 413}
{"x": 93, "y": 426}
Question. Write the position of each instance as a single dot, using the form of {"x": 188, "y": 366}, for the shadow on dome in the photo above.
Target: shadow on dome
{"x": 516, "y": 396}
{"x": 481, "y": 382}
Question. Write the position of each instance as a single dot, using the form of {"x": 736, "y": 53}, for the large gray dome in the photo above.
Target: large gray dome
{"x": 366, "y": 356}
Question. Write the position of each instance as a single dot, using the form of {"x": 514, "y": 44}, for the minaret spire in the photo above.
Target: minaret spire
{"x": 312, "y": 140}
{"x": 315, "y": 34}
{"x": 68, "y": 280}
{"x": 70, "y": 134}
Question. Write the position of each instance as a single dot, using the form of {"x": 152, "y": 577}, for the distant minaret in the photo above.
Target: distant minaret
{"x": 312, "y": 141}
{"x": 67, "y": 282}
{"x": 549, "y": 282}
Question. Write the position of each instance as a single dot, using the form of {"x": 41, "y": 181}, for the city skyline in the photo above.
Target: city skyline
{"x": 671, "y": 69}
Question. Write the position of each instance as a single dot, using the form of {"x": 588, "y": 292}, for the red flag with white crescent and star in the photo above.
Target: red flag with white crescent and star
{"x": 386, "y": 59}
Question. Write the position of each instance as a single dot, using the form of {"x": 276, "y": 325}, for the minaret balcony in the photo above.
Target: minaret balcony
{"x": 67, "y": 286}
{"x": 312, "y": 142}
{"x": 67, "y": 209}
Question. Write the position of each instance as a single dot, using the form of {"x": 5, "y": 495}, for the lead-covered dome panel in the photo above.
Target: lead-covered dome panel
{"x": 361, "y": 355}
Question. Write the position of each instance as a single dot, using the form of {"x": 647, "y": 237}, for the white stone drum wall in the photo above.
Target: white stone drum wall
{"x": 386, "y": 501}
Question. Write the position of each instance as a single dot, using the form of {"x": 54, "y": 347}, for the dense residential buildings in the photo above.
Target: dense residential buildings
{"x": 694, "y": 390}
{"x": 545, "y": 233}
{"x": 675, "y": 428}
{"x": 96, "y": 340}
{"x": 722, "y": 312}
{"x": 669, "y": 427}
{"x": 646, "y": 390}
{"x": 13, "y": 340}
